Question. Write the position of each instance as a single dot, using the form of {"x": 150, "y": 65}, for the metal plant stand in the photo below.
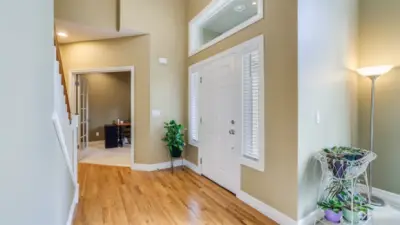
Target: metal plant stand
{"x": 176, "y": 158}
{"x": 345, "y": 178}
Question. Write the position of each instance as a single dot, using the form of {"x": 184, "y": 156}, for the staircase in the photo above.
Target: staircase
{"x": 65, "y": 124}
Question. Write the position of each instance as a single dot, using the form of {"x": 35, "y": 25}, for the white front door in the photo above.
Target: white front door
{"x": 220, "y": 132}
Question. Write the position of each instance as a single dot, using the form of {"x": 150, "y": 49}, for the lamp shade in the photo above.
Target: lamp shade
{"x": 374, "y": 70}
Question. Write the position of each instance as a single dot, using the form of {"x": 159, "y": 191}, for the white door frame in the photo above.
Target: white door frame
{"x": 234, "y": 50}
{"x": 131, "y": 69}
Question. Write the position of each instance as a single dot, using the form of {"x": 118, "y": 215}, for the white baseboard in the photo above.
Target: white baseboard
{"x": 192, "y": 166}
{"x": 154, "y": 167}
{"x": 310, "y": 219}
{"x": 76, "y": 195}
{"x": 389, "y": 197}
{"x": 165, "y": 165}
{"x": 265, "y": 209}
{"x": 72, "y": 208}
{"x": 385, "y": 195}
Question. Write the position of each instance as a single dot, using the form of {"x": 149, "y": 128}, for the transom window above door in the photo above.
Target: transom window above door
{"x": 220, "y": 19}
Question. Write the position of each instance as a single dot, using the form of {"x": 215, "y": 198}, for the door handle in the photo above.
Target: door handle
{"x": 232, "y": 131}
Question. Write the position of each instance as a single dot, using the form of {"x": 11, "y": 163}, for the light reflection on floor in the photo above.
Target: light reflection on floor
{"x": 386, "y": 216}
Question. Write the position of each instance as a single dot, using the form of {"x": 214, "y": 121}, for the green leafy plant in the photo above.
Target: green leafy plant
{"x": 358, "y": 204}
{"x": 341, "y": 160}
{"x": 340, "y": 152}
{"x": 337, "y": 187}
{"x": 331, "y": 204}
{"x": 358, "y": 207}
{"x": 174, "y": 137}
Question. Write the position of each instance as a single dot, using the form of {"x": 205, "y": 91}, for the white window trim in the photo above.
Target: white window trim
{"x": 191, "y": 77}
{"x": 260, "y": 163}
{"x": 209, "y": 11}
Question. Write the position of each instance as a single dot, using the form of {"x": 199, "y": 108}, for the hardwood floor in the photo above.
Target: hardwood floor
{"x": 120, "y": 196}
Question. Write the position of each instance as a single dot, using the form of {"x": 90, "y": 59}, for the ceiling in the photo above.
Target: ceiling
{"x": 229, "y": 18}
{"x": 77, "y": 32}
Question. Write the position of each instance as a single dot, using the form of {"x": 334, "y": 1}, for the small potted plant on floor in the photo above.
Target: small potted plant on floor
{"x": 174, "y": 138}
{"x": 333, "y": 209}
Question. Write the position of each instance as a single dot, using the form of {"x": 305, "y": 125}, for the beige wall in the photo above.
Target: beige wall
{"x": 164, "y": 21}
{"x": 327, "y": 56}
{"x": 276, "y": 185}
{"x": 191, "y": 154}
{"x": 120, "y": 52}
{"x": 161, "y": 87}
{"x": 109, "y": 100}
{"x": 379, "y": 32}
{"x": 380, "y": 44}
{"x": 101, "y": 14}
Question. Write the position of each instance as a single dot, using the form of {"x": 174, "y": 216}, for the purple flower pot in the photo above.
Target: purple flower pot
{"x": 333, "y": 217}
{"x": 339, "y": 167}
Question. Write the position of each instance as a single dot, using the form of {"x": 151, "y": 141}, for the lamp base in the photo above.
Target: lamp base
{"x": 375, "y": 201}
{"x": 378, "y": 202}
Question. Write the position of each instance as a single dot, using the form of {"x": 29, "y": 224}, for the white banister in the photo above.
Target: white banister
{"x": 74, "y": 125}
{"x": 63, "y": 145}
{"x": 66, "y": 129}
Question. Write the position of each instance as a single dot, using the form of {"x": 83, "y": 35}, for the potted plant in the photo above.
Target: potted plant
{"x": 339, "y": 158}
{"x": 337, "y": 165}
{"x": 356, "y": 210}
{"x": 174, "y": 138}
{"x": 333, "y": 209}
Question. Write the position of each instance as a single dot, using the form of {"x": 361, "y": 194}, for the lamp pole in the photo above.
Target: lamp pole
{"x": 373, "y": 72}
{"x": 374, "y": 199}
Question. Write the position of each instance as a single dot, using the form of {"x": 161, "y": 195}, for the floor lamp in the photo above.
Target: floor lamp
{"x": 373, "y": 73}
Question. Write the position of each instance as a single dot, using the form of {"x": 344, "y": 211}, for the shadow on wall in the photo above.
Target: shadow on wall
{"x": 307, "y": 187}
{"x": 160, "y": 131}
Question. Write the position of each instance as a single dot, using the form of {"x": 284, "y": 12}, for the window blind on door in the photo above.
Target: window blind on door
{"x": 194, "y": 108}
{"x": 251, "y": 105}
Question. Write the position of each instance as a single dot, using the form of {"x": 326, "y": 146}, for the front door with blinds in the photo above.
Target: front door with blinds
{"x": 226, "y": 113}
{"x": 220, "y": 133}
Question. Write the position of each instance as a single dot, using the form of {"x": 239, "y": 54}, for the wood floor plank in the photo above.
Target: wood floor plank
{"x": 120, "y": 196}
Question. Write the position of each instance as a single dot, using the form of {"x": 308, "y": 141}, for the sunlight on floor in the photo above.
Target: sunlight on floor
{"x": 386, "y": 216}
{"x": 97, "y": 154}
